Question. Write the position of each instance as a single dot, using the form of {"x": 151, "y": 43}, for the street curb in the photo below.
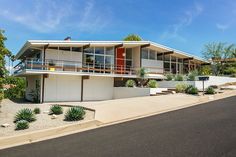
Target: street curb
{"x": 45, "y": 134}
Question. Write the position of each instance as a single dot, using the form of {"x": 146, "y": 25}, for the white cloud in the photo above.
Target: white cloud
{"x": 44, "y": 16}
{"x": 50, "y": 15}
{"x": 222, "y": 27}
{"x": 173, "y": 32}
{"x": 93, "y": 19}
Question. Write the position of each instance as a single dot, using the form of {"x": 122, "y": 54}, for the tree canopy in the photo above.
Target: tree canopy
{"x": 3, "y": 53}
{"x": 132, "y": 37}
{"x": 218, "y": 53}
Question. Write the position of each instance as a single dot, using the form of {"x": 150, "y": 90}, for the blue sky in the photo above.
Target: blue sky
{"x": 182, "y": 24}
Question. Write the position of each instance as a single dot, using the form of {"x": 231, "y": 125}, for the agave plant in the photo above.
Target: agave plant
{"x": 25, "y": 114}
{"x": 56, "y": 109}
{"x": 75, "y": 114}
{"x": 22, "y": 124}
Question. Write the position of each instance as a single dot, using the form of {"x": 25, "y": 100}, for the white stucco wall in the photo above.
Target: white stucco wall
{"x": 153, "y": 64}
{"x": 63, "y": 55}
{"x": 31, "y": 85}
{"x": 213, "y": 80}
{"x": 62, "y": 88}
{"x": 126, "y": 92}
{"x": 98, "y": 88}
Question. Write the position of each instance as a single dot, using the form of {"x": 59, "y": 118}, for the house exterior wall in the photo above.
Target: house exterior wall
{"x": 98, "y": 88}
{"x": 62, "y": 88}
{"x": 63, "y": 55}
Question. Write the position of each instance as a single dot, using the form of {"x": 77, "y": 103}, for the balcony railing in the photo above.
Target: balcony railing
{"x": 70, "y": 66}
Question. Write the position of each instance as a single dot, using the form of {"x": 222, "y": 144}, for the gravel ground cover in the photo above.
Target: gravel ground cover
{"x": 44, "y": 121}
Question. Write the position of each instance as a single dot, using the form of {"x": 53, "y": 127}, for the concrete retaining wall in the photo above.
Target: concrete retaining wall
{"x": 213, "y": 80}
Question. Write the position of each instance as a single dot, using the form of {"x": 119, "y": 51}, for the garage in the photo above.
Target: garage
{"x": 62, "y": 88}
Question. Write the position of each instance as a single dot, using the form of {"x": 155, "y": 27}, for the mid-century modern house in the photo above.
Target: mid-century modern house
{"x": 66, "y": 70}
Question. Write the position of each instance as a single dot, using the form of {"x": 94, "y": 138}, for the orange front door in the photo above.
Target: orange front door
{"x": 120, "y": 60}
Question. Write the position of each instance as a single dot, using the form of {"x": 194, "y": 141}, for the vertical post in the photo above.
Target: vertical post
{"x": 170, "y": 65}
{"x": 203, "y": 87}
{"x": 188, "y": 66}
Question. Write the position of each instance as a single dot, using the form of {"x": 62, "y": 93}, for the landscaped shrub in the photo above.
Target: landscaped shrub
{"x": 191, "y": 90}
{"x": 130, "y": 83}
{"x": 205, "y": 70}
{"x": 16, "y": 87}
{"x": 210, "y": 90}
{"x": 230, "y": 70}
{"x": 56, "y": 109}
{"x": 169, "y": 77}
{"x": 192, "y": 75}
{"x": 37, "y": 110}
{"x": 181, "y": 87}
{"x": 152, "y": 84}
{"x": 25, "y": 114}
{"x": 22, "y": 124}
{"x": 179, "y": 77}
{"x": 75, "y": 114}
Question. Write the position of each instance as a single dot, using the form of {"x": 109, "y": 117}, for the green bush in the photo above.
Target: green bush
{"x": 75, "y": 114}
{"x": 181, "y": 87}
{"x": 152, "y": 84}
{"x": 22, "y": 124}
{"x": 192, "y": 75}
{"x": 25, "y": 114}
{"x": 18, "y": 87}
{"x": 37, "y": 110}
{"x": 205, "y": 70}
{"x": 230, "y": 71}
{"x": 210, "y": 90}
{"x": 179, "y": 77}
{"x": 130, "y": 83}
{"x": 191, "y": 90}
{"x": 169, "y": 77}
{"x": 56, "y": 109}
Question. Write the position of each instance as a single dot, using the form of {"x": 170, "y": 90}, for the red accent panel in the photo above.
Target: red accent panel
{"x": 120, "y": 60}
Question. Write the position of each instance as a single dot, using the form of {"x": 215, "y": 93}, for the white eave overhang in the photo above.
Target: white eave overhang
{"x": 127, "y": 44}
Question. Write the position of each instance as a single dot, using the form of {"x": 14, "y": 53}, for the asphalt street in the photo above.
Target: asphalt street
{"x": 206, "y": 130}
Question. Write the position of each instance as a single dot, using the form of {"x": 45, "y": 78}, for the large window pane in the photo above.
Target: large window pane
{"x": 109, "y": 51}
{"x": 159, "y": 56}
{"x": 88, "y": 59}
{"x": 77, "y": 49}
{"x": 152, "y": 54}
{"x": 64, "y": 48}
{"x": 99, "y": 61}
{"x": 109, "y": 60}
{"x": 128, "y": 53}
{"x": 173, "y": 59}
{"x": 144, "y": 53}
{"x": 89, "y": 50}
{"x": 167, "y": 58}
{"x": 99, "y": 50}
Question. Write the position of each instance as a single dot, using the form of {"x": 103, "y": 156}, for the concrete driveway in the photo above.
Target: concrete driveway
{"x": 122, "y": 109}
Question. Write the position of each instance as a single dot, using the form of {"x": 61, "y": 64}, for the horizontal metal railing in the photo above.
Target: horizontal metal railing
{"x": 72, "y": 66}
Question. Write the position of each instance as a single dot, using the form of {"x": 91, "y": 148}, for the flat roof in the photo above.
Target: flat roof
{"x": 127, "y": 44}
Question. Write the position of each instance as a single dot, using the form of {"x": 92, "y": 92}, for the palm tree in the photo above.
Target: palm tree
{"x": 132, "y": 37}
